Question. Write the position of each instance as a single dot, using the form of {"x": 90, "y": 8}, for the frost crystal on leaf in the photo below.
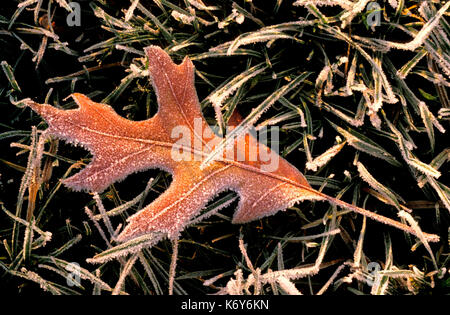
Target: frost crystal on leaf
{"x": 121, "y": 147}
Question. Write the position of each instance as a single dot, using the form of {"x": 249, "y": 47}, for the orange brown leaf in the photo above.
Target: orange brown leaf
{"x": 121, "y": 147}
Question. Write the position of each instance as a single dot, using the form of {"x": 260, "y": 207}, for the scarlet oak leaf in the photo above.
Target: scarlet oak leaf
{"x": 121, "y": 147}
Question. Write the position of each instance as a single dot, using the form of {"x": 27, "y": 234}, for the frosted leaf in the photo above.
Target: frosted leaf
{"x": 375, "y": 120}
{"x": 263, "y": 35}
{"x": 376, "y": 68}
{"x": 121, "y": 147}
{"x": 405, "y": 150}
{"x": 126, "y": 270}
{"x": 342, "y": 3}
{"x": 422, "y": 35}
{"x": 288, "y": 286}
{"x": 201, "y": 6}
{"x": 393, "y": 3}
{"x": 323, "y": 159}
{"x": 356, "y": 8}
{"x": 424, "y": 111}
{"x": 218, "y": 97}
{"x": 368, "y": 178}
{"x": 130, "y": 10}
{"x": 235, "y": 16}
{"x": 26, "y": 3}
{"x": 351, "y": 76}
{"x": 44, "y": 284}
{"x": 183, "y": 18}
{"x": 130, "y": 247}
{"x": 441, "y": 190}
{"x": 415, "y": 226}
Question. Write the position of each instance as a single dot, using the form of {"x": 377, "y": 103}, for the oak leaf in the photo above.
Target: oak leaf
{"x": 120, "y": 147}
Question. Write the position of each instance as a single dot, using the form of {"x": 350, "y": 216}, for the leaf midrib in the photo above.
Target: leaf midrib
{"x": 200, "y": 153}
